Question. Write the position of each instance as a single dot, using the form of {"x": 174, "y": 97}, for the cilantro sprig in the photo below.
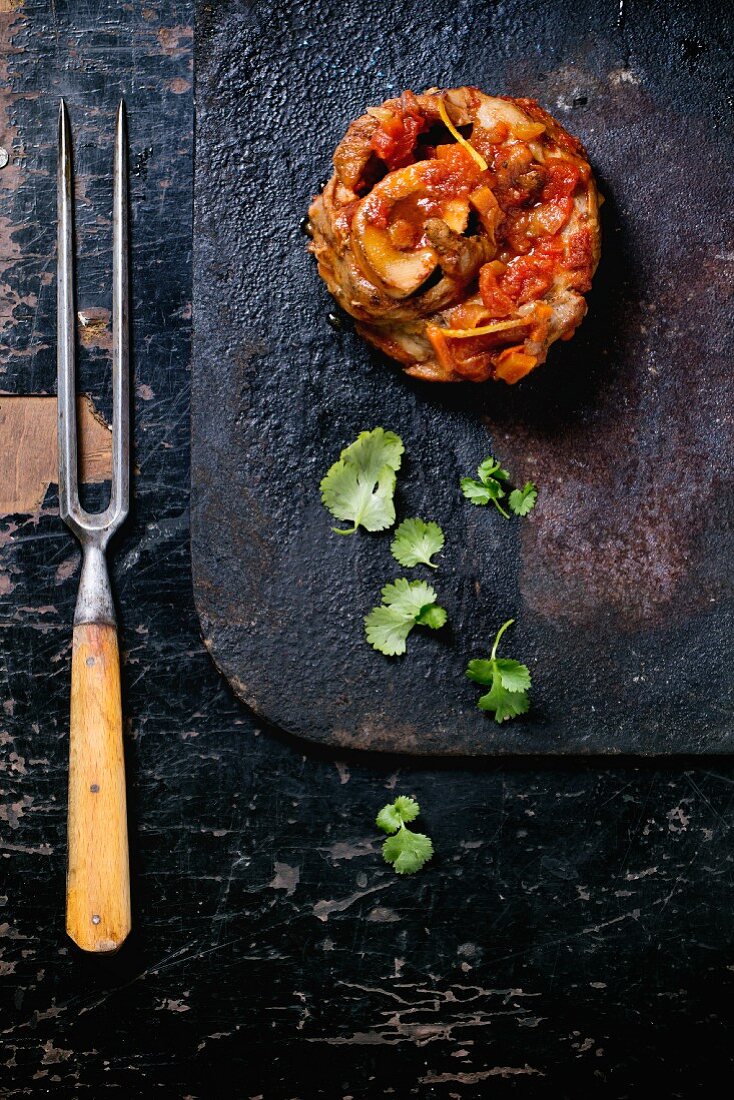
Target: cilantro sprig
{"x": 509, "y": 682}
{"x": 523, "y": 500}
{"x": 416, "y": 542}
{"x": 405, "y": 604}
{"x": 405, "y": 850}
{"x": 360, "y": 486}
{"x": 487, "y": 486}
{"x": 490, "y": 485}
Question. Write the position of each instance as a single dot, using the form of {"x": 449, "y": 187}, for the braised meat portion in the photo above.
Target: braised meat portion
{"x": 461, "y": 231}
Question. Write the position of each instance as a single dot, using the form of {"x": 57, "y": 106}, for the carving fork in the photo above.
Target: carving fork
{"x": 98, "y": 880}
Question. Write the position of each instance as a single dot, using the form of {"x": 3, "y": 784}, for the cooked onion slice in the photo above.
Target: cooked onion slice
{"x": 399, "y": 271}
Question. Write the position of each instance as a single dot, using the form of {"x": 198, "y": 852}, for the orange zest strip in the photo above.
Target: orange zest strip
{"x": 484, "y": 330}
{"x": 457, "y": 136}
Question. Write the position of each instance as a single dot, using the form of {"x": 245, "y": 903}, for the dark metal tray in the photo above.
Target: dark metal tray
{"x": 620, "y": 580}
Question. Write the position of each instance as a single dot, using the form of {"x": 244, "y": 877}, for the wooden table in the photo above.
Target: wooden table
{"x": 573, "y": 935}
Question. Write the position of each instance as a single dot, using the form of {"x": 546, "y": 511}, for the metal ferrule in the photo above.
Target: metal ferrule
{"x": 94, "y": 600}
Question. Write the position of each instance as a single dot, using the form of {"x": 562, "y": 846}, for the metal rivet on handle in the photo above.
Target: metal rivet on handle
{"x": 96, "y": 918}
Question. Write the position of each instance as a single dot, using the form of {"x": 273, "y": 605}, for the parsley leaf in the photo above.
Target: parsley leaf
{"x": 523, "y": 500}
{"x": 509, "y": 682}
{"x": 405, "y": 604}
{"x": 514, "y": 676}
{"x": 349, "y": 495}
{"x": 433, "y": 616}
{"x": 488, "y": 487}
{"x": 396, "y": 813}
{"x": 491, "y": 468}
{"x": 387, "y": 630}
{"x": 416, "y": 542}
{"x": 406, "y": 850}
{"x": 476, "y": 492}
{"x": 373, "y": 450}
{"x": 408, "y": 597}
{"x": 360, "y": 486}
{"x": 504, "y": 704}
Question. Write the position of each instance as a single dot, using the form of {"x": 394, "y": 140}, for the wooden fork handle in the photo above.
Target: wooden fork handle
{"x": 98, "y": 877}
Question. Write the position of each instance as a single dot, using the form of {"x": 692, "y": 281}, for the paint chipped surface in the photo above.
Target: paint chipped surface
{"x": 28, "y": 450}
{"x": 285, "y": 878}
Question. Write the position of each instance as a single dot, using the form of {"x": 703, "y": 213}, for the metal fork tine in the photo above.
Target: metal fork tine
{"x": 120, "y": 327}
{"x": 68, "y": 485}
{"x": 69, "y": 506}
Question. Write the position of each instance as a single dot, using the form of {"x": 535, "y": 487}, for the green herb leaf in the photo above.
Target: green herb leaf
{"x": 360, "y": 486}
{"x": 349, "y": 495}
{"x": 475, "y": 491}
{"x": 504, "y": 704}
{"x": 488, "y": 487}
{"x": 509, "y": 682}
{"x": 523, "y": 500}
{"x": 408, "y": 597}
{"x": 387, "y": 630}
{"x": 480, "y": 671}
{"x": 406, "y": 850}
{"x": 416, "y": 542}
{"x": 397, "y": 813}
{"x": 405, "y": 604}
{"x": 373, "y": 450}
{"x": 514, "y": 676}
{"x": 433, "y": 616}
{"x": 407, "y": 808}
{"x": 491, "y": 468}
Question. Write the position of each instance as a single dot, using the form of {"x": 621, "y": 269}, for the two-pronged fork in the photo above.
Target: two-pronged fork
{"x": 98, "y": 882}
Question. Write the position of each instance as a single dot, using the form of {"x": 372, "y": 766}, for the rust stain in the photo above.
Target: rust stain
{"x": 179, "y": 86}
{"x": 372, "y": 731}
{"x": 629, "y": 464}
{"x": 28, "y": 452}
{"x": 175, "y": 41}
{"x": 95, "y": 330}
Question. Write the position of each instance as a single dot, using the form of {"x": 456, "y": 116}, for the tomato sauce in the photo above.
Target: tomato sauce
{"x": 536, "y": 200}
{"x": 538, "y": 203}
{"x": 394, "y": 139}
{"x": 451, "y": 174}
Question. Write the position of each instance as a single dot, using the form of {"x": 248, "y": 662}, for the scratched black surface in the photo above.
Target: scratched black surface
{"x": 620, "y": 580}
{"x": 573, "y": 936}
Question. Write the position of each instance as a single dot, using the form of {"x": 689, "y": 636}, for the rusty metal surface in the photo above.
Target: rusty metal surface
{"x": 620, "y": 580}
